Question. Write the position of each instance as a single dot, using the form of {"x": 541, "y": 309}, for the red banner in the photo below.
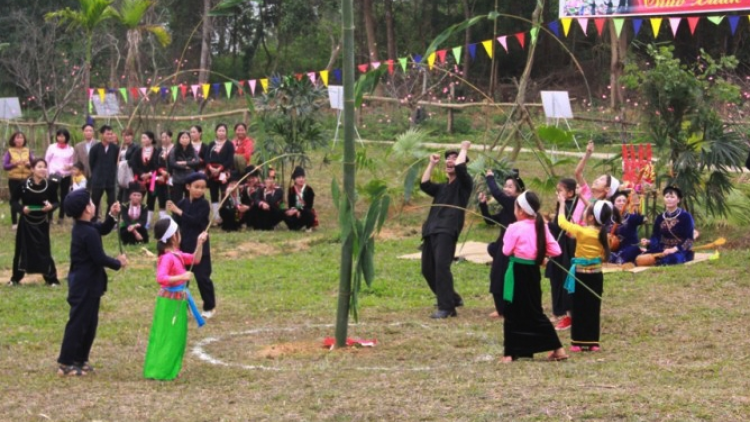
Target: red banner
{"x": 573, "y": 8}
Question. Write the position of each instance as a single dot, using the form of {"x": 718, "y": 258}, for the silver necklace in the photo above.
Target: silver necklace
{"x": 28, "y": 185}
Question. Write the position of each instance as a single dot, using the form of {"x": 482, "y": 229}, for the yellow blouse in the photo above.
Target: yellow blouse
{"x": 587, "y": 238}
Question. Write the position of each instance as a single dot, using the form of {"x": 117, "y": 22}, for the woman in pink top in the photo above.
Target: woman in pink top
{"x": 60, "y": 157}
{"x": 168, "y": 338}
{"x": 527, "y": 242}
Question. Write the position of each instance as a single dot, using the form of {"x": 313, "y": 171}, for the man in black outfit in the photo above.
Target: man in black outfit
{"x": 87, "y": 281}
{"x": 444, "y": 223}
{"x": 103, "y": 159}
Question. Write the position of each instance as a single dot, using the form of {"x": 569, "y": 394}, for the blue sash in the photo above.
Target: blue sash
{"x": 191, "y": 302}
{"x": 570, "y": 280}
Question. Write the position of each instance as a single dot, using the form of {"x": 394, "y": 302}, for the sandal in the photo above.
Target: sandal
{"x": 70, "y": 371}
{"x": 86, "y": 367}
{"x": 553, "y": 357}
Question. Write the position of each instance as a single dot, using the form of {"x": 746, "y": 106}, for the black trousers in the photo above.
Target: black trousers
{"x": 64, "y": 190}
{"x": 587, "y": 310}
{"x": 202, "y": 273}
{"x": 14, "y": 184}
{"x": 217, "y": 190}
{"x": 80, "y": 330}
{"x": 437, "y": 256}
{"x": 160, "y": 192}
{"x": 96, "y": 197}
{"x": 128, "y": 238}
{"x": 177, "y": 192}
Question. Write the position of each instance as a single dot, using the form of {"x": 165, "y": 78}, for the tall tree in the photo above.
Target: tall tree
{"x": 91, "y": 15}
{"x": 372, "y": 41}
{"x": 390, "y": 31}
{"x": 131, "y": 15}
{"x": 205, "y": 64}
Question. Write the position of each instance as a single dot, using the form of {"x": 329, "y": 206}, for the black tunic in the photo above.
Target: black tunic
{"x": 126, "y": 221}
{"x": 33, "y": 254}
{"x": 557, "y": 268}
{"x": 505, "y": 217}
{"x": 268, "y": 219}
{"x": 448, "y": 220}
{"x": 193, "y": 222}
{"x": 103, "y": 165}
{"x": 307, "y": 217}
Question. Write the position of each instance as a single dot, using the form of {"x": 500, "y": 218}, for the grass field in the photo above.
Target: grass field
{"x": 675, "y": 343}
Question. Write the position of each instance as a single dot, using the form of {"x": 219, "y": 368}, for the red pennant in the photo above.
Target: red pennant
{"x": 183, "y": 90}
{"x": 599, "y": 22}
{"x": 239, "y": 87}
{"x": 298, "y": 76}
{"x": 441, "y": 55}
{"x": 693, "y": 22}
{"x": 521, "y": 37}
{"x": 363, "y": 68}
{"x": 134, "y": 93}
{"x": 390, "y": 66}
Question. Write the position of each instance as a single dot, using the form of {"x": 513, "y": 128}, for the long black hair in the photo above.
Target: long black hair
{"x": 539, "y": 226}
{"x": 606, "y": 216}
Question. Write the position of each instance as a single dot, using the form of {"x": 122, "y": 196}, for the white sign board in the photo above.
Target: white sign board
{"x": 336, "y": 96}
{"x": 10, "y": 108}
{"x": 556, "y": 105}
{"x": 110, "y": 106}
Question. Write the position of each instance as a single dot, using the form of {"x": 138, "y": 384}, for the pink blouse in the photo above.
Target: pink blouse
{"x": 520, "y": 240}
{"x": 577, "y": 216}
{"x": 171, "y": 264}
{"x": 58, "y": 159}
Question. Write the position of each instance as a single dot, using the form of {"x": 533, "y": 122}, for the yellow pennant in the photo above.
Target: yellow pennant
{"x": 655, "y": 25}
{"x": 206, "y": 88}
{"x": 431, "y": 60}
{"x": 488, "y": 47}
{"x": 566, "y": 25}
{"x": 155, "y": 89}
{"x": 264, "y": 84}
{"x": 324, "y": 77}
{"x": 102, "y": 94}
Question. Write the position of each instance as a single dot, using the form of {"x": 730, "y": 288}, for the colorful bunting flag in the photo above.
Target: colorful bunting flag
{"x": 488, "y": 47}
{"x": 534, "y": 34}
{"x": 183, "y": 91}
{"x": 555, "y": 28}
{"x": 311, "y": 76}
{"x": 155, "y": 89}
{"x": 693, "y": 23}
{"x": 337, "y": 74}
{"x": 599, "y": 23}
{"x": 584, "y": 22}
{"x": 733, "y": 21}
{"x": 473, "y": 51}
{"x": 431, "y": 60}
{"x": 216, "y": 88}
{"x": 566, "y": 25}
{"x": 504, "y": 42}
{"x": 402, "y": 61}
{"x": 144, "y": 92}
{"x": 228, "y": 89}
{"x": 716, "y": 20}
{"x": 363, "y": 68}
{"x": 441, "y": 55}
{"x": 619, "y": 22}
{"x": 134, "y": 93}
{"x": 174, "y": 93}
{"x": 241, "y": 84}
{"x": 674, "y": 23}
{"x": 194, "y": 88}
{"x": 390, "y": 67}
{"x": 637, "y": 26}
{"x": 375, "y": 65}
{"x": 252, "y": 83}
{"x": 102, "y": 94}
{"x": 417, "y": 58}
{"x": 205, "y": 88}
{"x": 521, "y": 37}
{"x": 264, "y": 84}
{"x": 91, "y": 93}
{"x": 124, "y": 93}
{"x": 457, "y": 54}
{"x": 655, "y": 26}
{"x": 324, "y": 77}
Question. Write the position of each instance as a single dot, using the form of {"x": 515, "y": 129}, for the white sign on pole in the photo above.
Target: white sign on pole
{"x": 556, "y": 105}
{"x": 10, "y": 108}
{"x": 336, "y": 97}
{"x": 110, "y": 106}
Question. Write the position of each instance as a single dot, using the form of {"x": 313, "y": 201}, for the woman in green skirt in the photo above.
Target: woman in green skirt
{"x": 168, "y": 338}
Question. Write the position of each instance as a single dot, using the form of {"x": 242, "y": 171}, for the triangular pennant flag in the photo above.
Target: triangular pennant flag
{"x": 102, "y": 94}
{"x": 164, "y": 92}
{"x": 252, "y": 83}
{"x": 534, "y": 34}
{"x": 91, "y": 95}
{"x": 417, "y": 58}
{"x": 174, "y": 93}
{"x": 716, "y": 19}
{"x": 431, "y": 60}
{"x": 390, "y": 66}
{"x": 312, "y": 77}
{"x": 655, "y": 25}
{"x": 205, "y": 88}
{"x": 375, "y": 65}
{"x": 298, "y": 76}
{"x": 504, "y": 42}
{"x": 264, "y": 84}
{"x": 584, "y": 22}
{"x": 124, "y": 93}
{"x": 637, "y": 26}
{"x": 194, "y": 88}
{"x": 457, "y": 54}
{"x": 441, "y": 55}
{"x": 240, "y": 91}
{"x": 599, "y": 23}
{"x": 733, "y": 21}
{"x": 337, "y": 74}
{"x": 674, "y": 23}
{"x": 363, "y": 68}
{"x": 619, "y": 22}
{"x": 155, "y": 89}
{"x": 91, "y": 110}
{"x": 134, "y": 93}
{"x": 521, "y": 37}
{"x": 488, "y": 47}
{"x": 473, "y": 51}
{"x": 144, "y": 92}
{"x": 555, "y": 28}
{"x": 403, "y": 61}
{"x": 693, "y": 23}
{"x": 228, "y": 89}
{"x": 566, "y": 25}
{"x": 183, "y": 91}
{"x": 216, "y": 88}
{"x": 324, "y": 77}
